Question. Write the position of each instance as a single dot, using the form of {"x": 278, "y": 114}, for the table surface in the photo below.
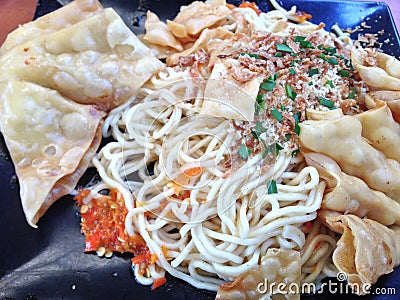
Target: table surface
{"x": 23, "y": 11}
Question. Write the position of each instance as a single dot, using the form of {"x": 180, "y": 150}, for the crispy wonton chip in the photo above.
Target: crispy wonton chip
{"x": 96, "y": 61}
{"x": 366, "y": 250}
{"x": 341, "y": 140}
{"x": 228, "y": 98}
{"x": 350, "y": 195}
{"x": 66, "y": 16}
{"x": 50, "y": 139}
{"x": 379, "y": 127}
{"x": 391, "y": 98}
{"x": 385, "y": 75}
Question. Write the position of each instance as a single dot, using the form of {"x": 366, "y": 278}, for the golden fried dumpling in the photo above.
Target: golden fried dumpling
{"x": 158, "y": 33}
{"x": 51, "y": 141}
{"x": 341, "y": 140}
{"x": 380, "y": 72}
{"x": 379, "y": 127}
{"x": 66, "y": 16}
{"x": 366, "y": 249}
{"x": 351, "y": 195}
{"x": 95, "y": 61}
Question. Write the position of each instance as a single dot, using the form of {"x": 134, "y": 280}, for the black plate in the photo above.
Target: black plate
{"x": 49, "y": 263}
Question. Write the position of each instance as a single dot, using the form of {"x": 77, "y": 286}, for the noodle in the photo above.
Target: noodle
{"x": 206, "y": 233}
{"x": 202, "y": 207}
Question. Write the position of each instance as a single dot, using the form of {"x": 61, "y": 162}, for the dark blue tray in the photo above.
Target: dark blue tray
{"x": 49, "y": 263}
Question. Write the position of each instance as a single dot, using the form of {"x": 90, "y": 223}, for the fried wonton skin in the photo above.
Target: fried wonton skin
{"x": 158, "y": 33}
{"x": 381, "y": 72}
{"x": 66, "y": 16}
{"x": 341, "y": 140}
{"x": 351, "y": 195}
{"x": 277, "y": 266}
{"x": 379, "y": 127}
{"x": 391, "y": 98}
{"x": 51, "y": 141}
{"x": 366, "y": 249}
{"x": 96, "y": 61}
{"x": 196, "y": 17}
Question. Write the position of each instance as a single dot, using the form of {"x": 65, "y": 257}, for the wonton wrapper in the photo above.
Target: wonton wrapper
{"x": 349, "y": 194}
{"x": 51, "y": 141}
{"x": 277, "y": 266}
{"x": 366, "y": 249}
{"x": 206, "y": 36}
{"x": 379, "y": 127}
{"x": 96, "y": 61}
{"x": 196, "y": 17}
{"x": 225, "y": 97}
{"x": 391, "y": 98}
{"x": 66, "y": 16}
{"x": 341, "y": 140}
{"x": 158, "y": 33}
{"x": 386, "y": 75}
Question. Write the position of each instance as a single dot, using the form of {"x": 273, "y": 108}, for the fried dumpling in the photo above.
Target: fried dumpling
{"x": 158, "y": 33}
{"x": 96, "y": 61}
{"x": 66, "y": 16}
{"x": 379, "y": 127}
{"x": 50, "y": 139}
{"x": 197, "y": 16}
{"x": 366, "y": 249}
{"x": 341, "y": 140}
{"x": 380, "y": 72}
{"x": 277, "y": 266}
{"x": 391, "y": 98}
{"x": 350, "y": 195}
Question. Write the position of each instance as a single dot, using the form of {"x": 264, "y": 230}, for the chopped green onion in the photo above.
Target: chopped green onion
{"x": 329, "y": 82}
{"x": 244, "y": 152}
{"x": 275, "y": 148}
{"x": 352, "y": 94}
{"x": 260, "y": 103}
{"x": 296, "y": 129}
{"x": 294, "y": 54}
{"x": 288, "y": 136}
{"x": 294, "y": 62}
{"x": 312, "y": 72}
{"x": 291, "y": 94}
{"x": 329, "y": 50}
{"x": 311, "y": 83}
{"x": 278, "y": 54}
{"x": 284, "y": 48}
{"x": 326, "y": 102}
{"x": 297, "y": 118}
{"x": 282, "y": 107}
{"x": 259, "y": 127}
{"x": 272, "y": 188}
{"x": 292, "y": 71}
{"x": 299, "y": 38}
{"x": 330, "y": 60}
{"x": 295, "y": 152}
{"x": 259, "y": 130}
{"x": 276, "y": 114}
{"x": 250, "y": 54}
{"x": 306, "y": 44}
{"x": 270, "y": 83}
{"x": 344, "y": 73}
